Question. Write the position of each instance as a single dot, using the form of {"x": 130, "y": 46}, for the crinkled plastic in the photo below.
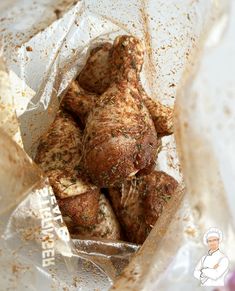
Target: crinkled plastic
{"x": 42, "y": 54}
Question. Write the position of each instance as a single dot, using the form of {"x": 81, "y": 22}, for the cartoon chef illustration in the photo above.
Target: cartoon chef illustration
{"x": 212, "y": 268}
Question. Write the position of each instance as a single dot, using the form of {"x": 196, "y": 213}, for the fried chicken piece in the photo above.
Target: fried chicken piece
{"x": 140, "y": 201}
{"x": 58, "y": 154}
{"x": 107, "y": 225}
{"x": 95, "y": 77}
{"x": 78, "y": 101}
{"x": 120, "y": 138}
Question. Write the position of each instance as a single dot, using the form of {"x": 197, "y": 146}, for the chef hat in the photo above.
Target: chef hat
{"x": 213, "y": 232}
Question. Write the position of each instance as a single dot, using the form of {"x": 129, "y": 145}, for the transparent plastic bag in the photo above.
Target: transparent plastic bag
{"x": 41, "y": 66}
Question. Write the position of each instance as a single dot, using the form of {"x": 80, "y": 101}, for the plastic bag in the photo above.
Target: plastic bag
{"x": 41, "y": 66}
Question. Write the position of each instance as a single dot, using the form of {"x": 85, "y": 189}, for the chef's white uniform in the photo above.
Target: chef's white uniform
{"x": 207, "y": 274}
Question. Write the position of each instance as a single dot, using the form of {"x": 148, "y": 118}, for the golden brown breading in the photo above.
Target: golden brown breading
{"x": 140, "y": 201}
{"x": 94, "y": 77}
{"x": 120, "y": 138}
{"x": 78, "y": 101}
{"x": 60, "y": 146}
{"x": 106, "y": 227}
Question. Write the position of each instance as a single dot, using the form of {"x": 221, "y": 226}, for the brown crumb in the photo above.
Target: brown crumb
{"x": 29, "y": 49}
{"x": 57, "y": 13}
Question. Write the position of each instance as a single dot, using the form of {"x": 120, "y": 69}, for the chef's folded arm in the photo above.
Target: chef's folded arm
{"x": 197, "y": 271}
{"x": 216, "y": 273}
